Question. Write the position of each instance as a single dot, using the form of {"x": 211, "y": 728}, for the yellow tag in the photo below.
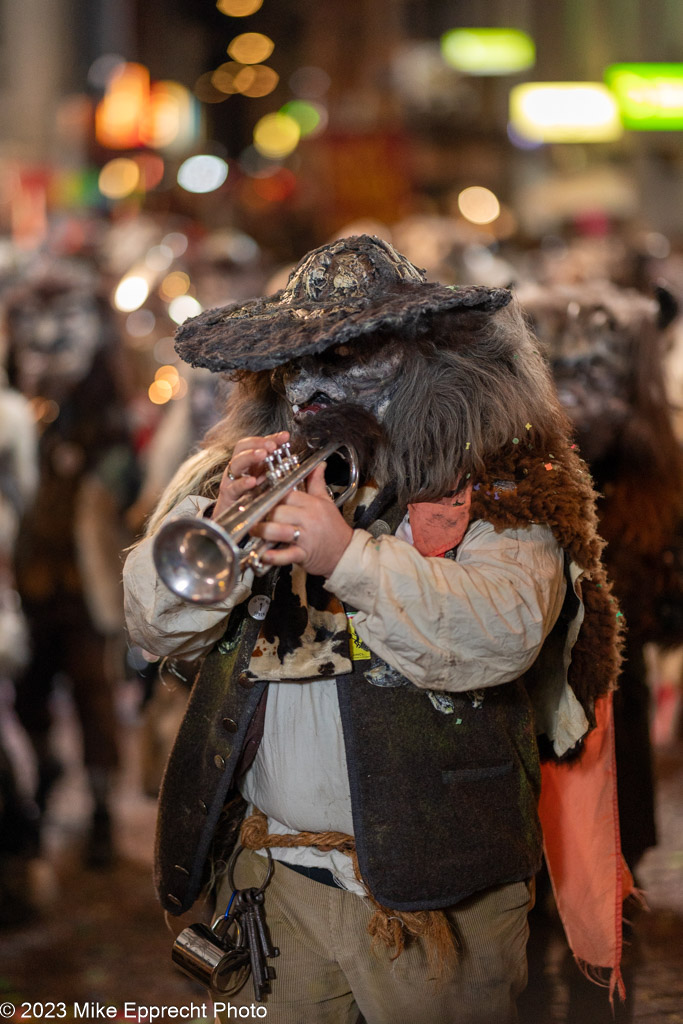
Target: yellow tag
{"x": 357, "y": 649}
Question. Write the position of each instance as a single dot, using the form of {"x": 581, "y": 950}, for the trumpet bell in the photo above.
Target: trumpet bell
{"x": 200, "y": 560}
{"x": 197, "y": 560}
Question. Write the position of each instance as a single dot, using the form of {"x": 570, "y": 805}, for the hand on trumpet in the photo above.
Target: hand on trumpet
{"x": 310, "y": 525}
{"x": 246, "y": 468}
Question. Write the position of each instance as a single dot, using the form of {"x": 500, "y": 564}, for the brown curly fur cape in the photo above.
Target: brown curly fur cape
{"x": 554, "y": 488}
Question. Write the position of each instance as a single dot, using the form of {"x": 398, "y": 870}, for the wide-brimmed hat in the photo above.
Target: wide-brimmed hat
{"x": 350, "y": 288}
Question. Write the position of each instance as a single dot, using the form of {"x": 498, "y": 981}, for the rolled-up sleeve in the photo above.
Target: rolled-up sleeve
{"x": 157, "y": 619}
{"x": 455, "y": 624}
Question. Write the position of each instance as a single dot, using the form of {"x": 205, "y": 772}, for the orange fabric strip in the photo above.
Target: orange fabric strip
{"x": 580, "y": 819}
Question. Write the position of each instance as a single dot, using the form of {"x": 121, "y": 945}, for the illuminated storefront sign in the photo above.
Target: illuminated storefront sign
{"x": 649, "y": 96}
{"x": 488, "y": 51}
{"x": 565, "y": 112}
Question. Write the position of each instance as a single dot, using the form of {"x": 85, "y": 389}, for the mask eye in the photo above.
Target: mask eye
{"x": 342, "y": 350}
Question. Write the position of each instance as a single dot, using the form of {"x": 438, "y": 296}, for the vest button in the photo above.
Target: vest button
{"x": 245, "y": 680}
{"x": 379, "y": 528}
{"x": 219, "y": 762}
{"x": 230, "y": 725}
{"x": 203, "y": 808}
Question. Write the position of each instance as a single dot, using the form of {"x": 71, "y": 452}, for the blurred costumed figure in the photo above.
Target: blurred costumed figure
{"x": 19, "y": 844}
{"x": 606, "y": 345}
{"x": 61, "y": 354}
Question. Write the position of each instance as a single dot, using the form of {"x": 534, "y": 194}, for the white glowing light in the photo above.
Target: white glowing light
{"x": 565, "y": 112}
{"x": 182, "y": 308}
{"x": 202, "y": 173}
{"x": 478, "y": 205}
{"x": 131, "y": 292}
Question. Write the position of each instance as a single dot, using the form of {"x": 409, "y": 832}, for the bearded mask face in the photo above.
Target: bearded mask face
{"x": 341, "y": 375}
{"x": 55, "y": 338}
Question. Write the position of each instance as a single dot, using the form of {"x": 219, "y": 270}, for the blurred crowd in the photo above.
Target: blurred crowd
{"x": 96, "y": 413}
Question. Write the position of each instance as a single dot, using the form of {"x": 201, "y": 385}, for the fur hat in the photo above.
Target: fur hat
{"x": 341, "y": 291}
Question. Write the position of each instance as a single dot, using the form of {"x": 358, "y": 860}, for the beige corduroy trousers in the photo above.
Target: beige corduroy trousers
{"x": 329, "y": 971}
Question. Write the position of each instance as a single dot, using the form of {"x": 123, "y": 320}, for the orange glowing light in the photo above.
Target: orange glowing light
{"x": 160, "y": 392}
{"x": 120, "y": 114}
{"x": 478, "y": 205}
{"x": 119, "y": 178}
{"x": 223, "y": 78}
{"x": 168, "y": 375}
{"x": 239, "y": 8}
{"x": 251, "y": 48}
{"x": 256, "y": 80}
{"x": 170, "y": 118}
{"x": 174, "y": 284}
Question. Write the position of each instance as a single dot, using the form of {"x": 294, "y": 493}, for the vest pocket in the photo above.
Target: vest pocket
{"x": 490, "y": 771}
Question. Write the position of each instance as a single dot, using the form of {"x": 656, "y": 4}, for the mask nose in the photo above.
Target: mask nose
{"x": 297, "y": 384}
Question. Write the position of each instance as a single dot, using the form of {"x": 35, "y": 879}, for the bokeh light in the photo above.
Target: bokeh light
{"x": 223, "y": 78}
{"x": 565, "y": 112}
{"x": 119, "y": 178}
{"x": 171, "y": 120}
{"x": 308, "y": 116}
{"x": 160, "y": 392}
{"x": 256, "y": 80}
{"x": 119, "y": 115}
{"x": 649, "y": 96}
{"x": 488, "y": 51}
{"x": 170, "y": 375}
{"x": 276, "y": 135}
{"x": 183, "y": 307}
{"x": 251, "y": 48}
{"x": 174, "y": 284}
{"x": 239, "y": 8}
{"x": 202, "y": 173}
{"x": 478, "y": 205}
{"x": 130, "y": 293}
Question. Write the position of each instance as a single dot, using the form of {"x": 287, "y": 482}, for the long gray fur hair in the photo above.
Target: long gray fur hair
{"x": 471, "y": 383}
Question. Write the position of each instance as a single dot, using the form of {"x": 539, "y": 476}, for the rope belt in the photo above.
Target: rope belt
{"x": 392, "y": 928}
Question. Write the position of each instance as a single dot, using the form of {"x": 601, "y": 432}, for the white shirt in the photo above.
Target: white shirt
{"x": 453, "y": 625}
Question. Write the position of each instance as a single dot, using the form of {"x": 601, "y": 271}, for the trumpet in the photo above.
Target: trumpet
{"x": 200, "y": 560}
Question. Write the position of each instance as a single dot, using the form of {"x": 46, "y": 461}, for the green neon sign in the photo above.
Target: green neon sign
{"x": 649, "y": 96}
{"x": 488, "y": 51}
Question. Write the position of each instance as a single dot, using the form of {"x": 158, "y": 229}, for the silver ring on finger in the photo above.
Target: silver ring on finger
{"x": 296, "y": 534}
{"x": 231, "y": 475}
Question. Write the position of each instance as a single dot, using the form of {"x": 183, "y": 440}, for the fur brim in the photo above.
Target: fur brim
{"x": 270, "y": 331}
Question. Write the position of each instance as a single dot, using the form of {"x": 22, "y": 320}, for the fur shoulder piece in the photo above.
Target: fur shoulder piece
{"x": 523, "y": 486}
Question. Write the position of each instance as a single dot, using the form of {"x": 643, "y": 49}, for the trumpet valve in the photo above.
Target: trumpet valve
{"x": 253, "y": 561}
{"x": 280, "y": 463}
